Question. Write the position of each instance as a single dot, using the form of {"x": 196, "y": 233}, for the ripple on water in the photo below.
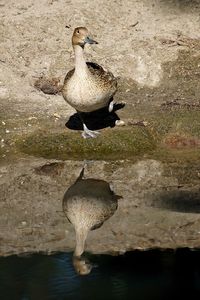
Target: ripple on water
{"x": 136, "y": 275}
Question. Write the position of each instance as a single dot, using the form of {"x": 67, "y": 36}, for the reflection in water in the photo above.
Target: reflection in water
{"x": 88, "y": 203}
{"x": 82, "y": 265}
{"x": 137, "y": 275}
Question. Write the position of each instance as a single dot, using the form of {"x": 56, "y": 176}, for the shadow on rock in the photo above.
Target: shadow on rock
{"x": 182, "y": 3}
{"x": 179, "y": 201}
{"x": 95, "y": 120}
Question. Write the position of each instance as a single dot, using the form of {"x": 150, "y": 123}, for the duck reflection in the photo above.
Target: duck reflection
{"x": 87, "y": 204}
{"x": 82, "y": 265}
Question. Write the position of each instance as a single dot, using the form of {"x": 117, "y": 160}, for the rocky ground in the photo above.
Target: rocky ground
{"x": 153, "y": 48}
{"x": 159, "y": 207}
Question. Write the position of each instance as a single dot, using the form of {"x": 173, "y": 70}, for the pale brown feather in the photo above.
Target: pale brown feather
{"x": 105, "y": 78}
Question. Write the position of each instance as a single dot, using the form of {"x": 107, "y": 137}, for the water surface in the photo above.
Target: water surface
{"x": 136, "y": 275}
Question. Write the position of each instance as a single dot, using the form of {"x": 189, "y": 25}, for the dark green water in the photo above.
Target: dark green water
{"x": 136, "y": 275}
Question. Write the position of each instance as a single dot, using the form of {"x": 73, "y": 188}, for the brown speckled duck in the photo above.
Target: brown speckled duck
{"x": 87, "y": 204}
{"x": 88, "y": 86}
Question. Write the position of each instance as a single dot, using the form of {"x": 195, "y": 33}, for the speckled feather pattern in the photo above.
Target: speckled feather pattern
{"x": 90, "y": 92}
{"x": 88, "y": 203}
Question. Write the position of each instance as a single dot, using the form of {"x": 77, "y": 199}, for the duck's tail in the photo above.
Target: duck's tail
{"x": 86, "y": 163}
{"x": 81, "y": 174}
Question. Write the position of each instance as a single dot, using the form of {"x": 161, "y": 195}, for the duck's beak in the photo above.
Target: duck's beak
{"x": 90, "y": 41}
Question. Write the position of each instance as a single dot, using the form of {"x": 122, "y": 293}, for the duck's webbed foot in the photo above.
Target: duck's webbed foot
{"x": 87, "y": 133}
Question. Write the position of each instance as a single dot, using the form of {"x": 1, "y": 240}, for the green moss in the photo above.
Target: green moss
{"x": 111, "y": 144}
{"x": 118, "y": 142}
{"x": 176, "y": 156}
{"x": 182, "y": 121}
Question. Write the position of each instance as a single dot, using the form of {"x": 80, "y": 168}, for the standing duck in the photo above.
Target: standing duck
{"x": 88, "y": 87}
{"x": 87, "y": 204}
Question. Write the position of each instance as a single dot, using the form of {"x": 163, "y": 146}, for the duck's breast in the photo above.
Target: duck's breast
{"x": 86, "y": 94}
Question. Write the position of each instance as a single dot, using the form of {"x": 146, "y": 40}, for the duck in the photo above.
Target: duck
{"x": 87, "y": 87}
{"x": 87, "y": 204}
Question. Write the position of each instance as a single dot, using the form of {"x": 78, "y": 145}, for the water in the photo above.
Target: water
{"x": 136, "y": 275}
{"x": 155, "y": 212}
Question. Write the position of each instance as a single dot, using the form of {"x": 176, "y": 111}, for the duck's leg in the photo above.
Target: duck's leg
{"x": 111, "y": 105}
{"x": 87, "y": 133}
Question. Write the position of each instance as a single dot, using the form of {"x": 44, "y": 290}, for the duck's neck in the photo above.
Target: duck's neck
{"x": 81, "y": 235}
{"x": 80, "y": 63}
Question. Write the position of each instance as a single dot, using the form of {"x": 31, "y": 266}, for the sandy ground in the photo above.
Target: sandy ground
{"x": 35, "y": 43}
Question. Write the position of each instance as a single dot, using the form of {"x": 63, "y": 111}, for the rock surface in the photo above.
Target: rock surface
{"x": 159, "y": 209}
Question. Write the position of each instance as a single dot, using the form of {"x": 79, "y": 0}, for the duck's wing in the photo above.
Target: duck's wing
{"x": 94, "y": 67}
{"x": 105, "y": 77}
{"x": 69, "y": 75}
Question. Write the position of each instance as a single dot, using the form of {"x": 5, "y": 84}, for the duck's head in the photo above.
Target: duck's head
{"x": 82, "y": 265}
{"x": 80, "y": 37}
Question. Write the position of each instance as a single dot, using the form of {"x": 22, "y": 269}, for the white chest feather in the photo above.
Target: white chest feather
{"x": 84, "y": 94}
